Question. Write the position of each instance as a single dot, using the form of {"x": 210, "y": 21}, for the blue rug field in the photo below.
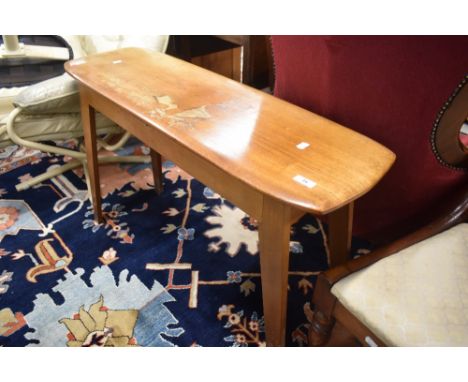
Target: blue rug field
{"x": 179, "y": 269}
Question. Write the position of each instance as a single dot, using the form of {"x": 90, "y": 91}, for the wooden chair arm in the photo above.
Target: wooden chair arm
{"x": 453, "y": 212}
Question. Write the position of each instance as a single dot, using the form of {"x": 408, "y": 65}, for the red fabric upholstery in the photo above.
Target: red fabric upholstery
{"x": 391, "y": 89}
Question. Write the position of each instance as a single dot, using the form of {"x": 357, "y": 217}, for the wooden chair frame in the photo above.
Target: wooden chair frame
{"x": 329, "y": 310}
{"x": 450, "y": 152}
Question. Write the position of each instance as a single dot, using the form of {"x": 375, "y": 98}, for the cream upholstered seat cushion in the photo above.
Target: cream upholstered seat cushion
{"x": 416, "y": 297}
{"x": 51, "y": 111}
{"x": 45, "y": 127}
{"x": 7, "y": 95}
{"x": 56, "y": 95}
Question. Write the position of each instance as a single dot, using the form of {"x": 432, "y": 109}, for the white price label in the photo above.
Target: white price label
{"x": 304, "y": 181}
{"x": 302, "y": 145}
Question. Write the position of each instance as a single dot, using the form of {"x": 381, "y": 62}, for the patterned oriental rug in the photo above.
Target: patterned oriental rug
{"x": 180, "y": 269}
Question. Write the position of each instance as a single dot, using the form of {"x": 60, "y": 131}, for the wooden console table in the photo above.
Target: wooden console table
{"x": 272, "y": 159}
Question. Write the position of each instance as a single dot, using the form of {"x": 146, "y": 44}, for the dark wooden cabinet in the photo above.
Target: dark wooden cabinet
{"x": 243, "y": 58}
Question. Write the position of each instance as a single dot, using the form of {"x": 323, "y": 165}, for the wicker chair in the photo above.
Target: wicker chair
{"x": 50, "y": 110}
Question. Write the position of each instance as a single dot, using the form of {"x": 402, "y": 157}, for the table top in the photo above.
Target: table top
{"x": 277, "y": 148}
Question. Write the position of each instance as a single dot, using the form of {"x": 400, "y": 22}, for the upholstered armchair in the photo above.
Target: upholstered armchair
{"x": 411, "y": 94}
{"x": 392, "y": 89}
{"x": 412, "y": 292}
{"x": 50, "y": 110}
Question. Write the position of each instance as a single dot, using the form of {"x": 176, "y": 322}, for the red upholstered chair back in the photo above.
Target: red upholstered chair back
{"x": 392, "y": 89}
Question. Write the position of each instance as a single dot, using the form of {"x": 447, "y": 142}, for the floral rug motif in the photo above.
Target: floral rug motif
{"x": 178, "y": 269}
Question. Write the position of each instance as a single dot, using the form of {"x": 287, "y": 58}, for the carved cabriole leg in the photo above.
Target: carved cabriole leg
{"x": 156, "y": 164}
{"x": 321, "y": 319}
{"x": 89, "y": 128}
{"x": 320, "y": 328}
{"x": 274, "y": 233}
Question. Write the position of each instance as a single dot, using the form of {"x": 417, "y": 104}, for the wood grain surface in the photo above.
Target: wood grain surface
{"x": 242, "y": 131}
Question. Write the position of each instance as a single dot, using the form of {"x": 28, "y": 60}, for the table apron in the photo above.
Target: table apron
{"x": 240, "y": 194}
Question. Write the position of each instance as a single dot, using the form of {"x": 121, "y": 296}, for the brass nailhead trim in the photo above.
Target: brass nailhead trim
{"x": 436, "y": 126}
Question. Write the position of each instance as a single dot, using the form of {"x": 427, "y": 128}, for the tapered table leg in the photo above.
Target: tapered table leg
{"x": 274, "y": 232}
{"x": 89, "y": 128}
{"x": 340, "y": 233}
{"x": 157, "y": 171}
